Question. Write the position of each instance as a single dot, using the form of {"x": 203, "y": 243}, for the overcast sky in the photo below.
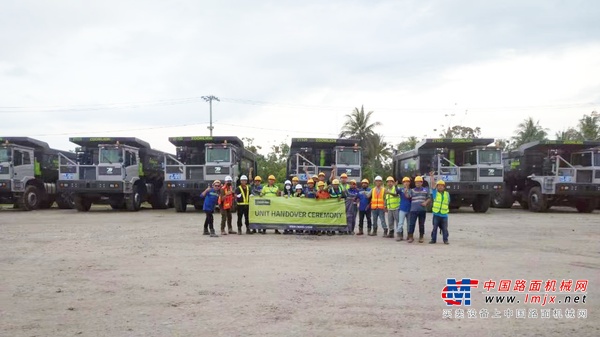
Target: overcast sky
{"x": 287, "y": 69}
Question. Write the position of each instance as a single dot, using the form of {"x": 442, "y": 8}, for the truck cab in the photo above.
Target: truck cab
{"x": 309, "y": 156}
{"x": 200, "y": 160}
{"x": 28, "y": 173}
{"x": 120, "y": 171}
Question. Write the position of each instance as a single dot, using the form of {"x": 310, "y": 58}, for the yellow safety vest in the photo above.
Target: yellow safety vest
{"x": 440, "y": 204}
{"x": 245, "y": 195}
{"x": 269, "y": 191}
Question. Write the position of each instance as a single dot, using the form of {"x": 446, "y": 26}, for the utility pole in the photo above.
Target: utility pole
{"x": 209, "y": 99}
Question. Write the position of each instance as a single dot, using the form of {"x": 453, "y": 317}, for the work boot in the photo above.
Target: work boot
{"x": 374, "y": 232}
{"x": 206, "y": 232}
{"x": 385, "y": 233}
{"x": 421, "y": 238}
{"x": 248, "y": 231}
{"x": 360, "y": 231}
{"x": 391, "y": 234}
{"x": 253, "y": 231}
{"x": 240, "y": 230}
{"x": 410, "y": 238}
{"x": 399, "y": 236}
{"x": 212, "y": 234}
{"x": 230, "y": 230}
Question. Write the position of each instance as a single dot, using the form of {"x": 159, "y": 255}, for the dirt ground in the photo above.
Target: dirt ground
{"x": 152, "y": 273}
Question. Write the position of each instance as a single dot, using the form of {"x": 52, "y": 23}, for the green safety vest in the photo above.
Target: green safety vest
{"x": 269, "y": 191}
{"x": 392, "y": 200}
{"x": 335, "y": 194}
{"x": 344, "y": 187}
{"x": 440, "y": 204}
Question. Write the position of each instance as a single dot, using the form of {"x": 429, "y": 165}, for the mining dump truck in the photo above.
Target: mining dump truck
{"x": 123, "y": 172}
{"x": 28, "y": 174}
{"x": 200, "y": 161}
{"x": 309, "y": 156}
{"x": 542, "y": 174}
{"x": 472, "y": 170}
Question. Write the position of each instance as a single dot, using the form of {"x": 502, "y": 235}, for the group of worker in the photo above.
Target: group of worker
{"x": 402, "y": 204}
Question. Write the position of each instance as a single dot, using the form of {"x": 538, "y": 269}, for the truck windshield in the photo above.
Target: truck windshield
{"x": 490, "y": 156}
{"x": 581, "y": 159}
{"x": 218, "y": 155}
{"x": 597, "y": 159}
{"x": 348, "y": 157}
{"x": 110, "y": 155}
{"x": 4, "y": 154}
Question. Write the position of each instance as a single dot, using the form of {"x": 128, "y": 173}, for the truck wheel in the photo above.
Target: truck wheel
{"x": 82, "y": 204}
{"x": 160, "y": 200}
{"x": 481, "y": 204}
{"x": 65, "y": 200}
{"x": 585, "y": 205}
{"x": 117, "y": 204}
{"x": 31, "y": 199}
{"x": 537, "y": 201}
{"x": 134, "y": 200}
{"x": 46, "y": 204}
{"x": 503, "y": 199}
{"x": 180, "y": 201}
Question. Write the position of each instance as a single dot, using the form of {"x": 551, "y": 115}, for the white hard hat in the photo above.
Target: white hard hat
{"x": 298, "y": 186}
{"x": 243, "y": 177}
{"x": 378, "y": 178}
{"x": 228, "y": 178}
{"x": 287, "y": 182}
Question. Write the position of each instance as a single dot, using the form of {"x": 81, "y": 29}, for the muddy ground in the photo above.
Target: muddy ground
{"x": 152, "y": 273}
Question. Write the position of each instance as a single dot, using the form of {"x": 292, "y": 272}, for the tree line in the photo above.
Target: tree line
{"x": 377, "y": 152}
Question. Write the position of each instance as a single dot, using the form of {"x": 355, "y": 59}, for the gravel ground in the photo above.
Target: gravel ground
{"x": 152, "y": 273}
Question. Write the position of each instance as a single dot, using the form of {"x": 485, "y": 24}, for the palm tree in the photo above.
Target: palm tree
{"x": 589, "y": 127}
{"x": 408, "y": 144}
{"x": 528, "y": 131}
{"x": 568, "y": 134}
{"x": 358, "y": 125}
{"x": 379, "y": 149}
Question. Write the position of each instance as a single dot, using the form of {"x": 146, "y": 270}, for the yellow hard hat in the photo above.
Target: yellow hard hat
{"x": 419, "y": 178}
{"x": 321, "y": 183}
{"x": 364, "y": 181}
{"x": 321, "y": 174}
{"x": 315, "y": 177}
{"x": 216, "y": 182}
{"x": 310, "y": 181}
{"x": 390, "y": 178}
{"x": 406, "y": 179}
{"x": 344, "y": 175}
{"x": 271, "y": 177}
{"x": 295, "y": 179}
{"x": 440, "y": 182}
{"x": 335, "y": 182}
{"x": 352, "y": 181}
{"x": 257, "y": 178}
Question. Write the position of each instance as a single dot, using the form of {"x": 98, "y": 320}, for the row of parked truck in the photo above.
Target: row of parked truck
{"x": 124, "y": 172}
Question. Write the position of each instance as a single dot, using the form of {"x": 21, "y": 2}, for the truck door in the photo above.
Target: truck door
{"x": 23, "y": 164}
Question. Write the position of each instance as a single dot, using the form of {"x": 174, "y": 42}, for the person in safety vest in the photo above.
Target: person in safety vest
{"x": 364, "y": 206}
{"x": 440, "y": 210}
{"x": 242, "y": 194}
{"x": 322, "y": 193}
{"x": 377, "y": 195}
{"x": 299, "y": 192}
{"x": 404, "y": 210}
{"x": 351, "y": 207}
{"x": 310, "y": 191}
{"x": 336, "y": 192}
{"x": 226, "y": 206}
{"x": 418, "y": 209}
{"x": 392, "y": 203}
{"x": 271, "y": 190}
{"x": 211, "y": 198}
{"x": 344, "y": 185}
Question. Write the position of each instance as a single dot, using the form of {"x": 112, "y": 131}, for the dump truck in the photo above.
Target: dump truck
{"x": 309, "y": 156}
{"x": 123, "y": 172}
{"x": 542, "y": 174}
{"x": 199, "y": 161}
{"x": 471, "y": 168}
{"x": 29, "y": 172}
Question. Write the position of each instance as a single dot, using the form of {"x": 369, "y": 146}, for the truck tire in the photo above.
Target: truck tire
{"x": 48, "y": 202}
{"x": 537, "y": 200}
{"x": 117, "y": 204}
{"x": 503, "y": 199}
{"x": 160, "y": 200}
{"x": 180, "y": 201}
{"x": 31, "y": 199}
{"x": 133, "y": 202}
{"x": 481, "y": 204}
{"x": 585, "y": 205}
{"x": 82, "y": 204}
{"x": 65, "y": 200}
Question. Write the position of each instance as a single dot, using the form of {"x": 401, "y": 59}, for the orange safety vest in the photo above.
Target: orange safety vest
{"x": 227, "y": 199}
{"x": 377, "y": 199}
